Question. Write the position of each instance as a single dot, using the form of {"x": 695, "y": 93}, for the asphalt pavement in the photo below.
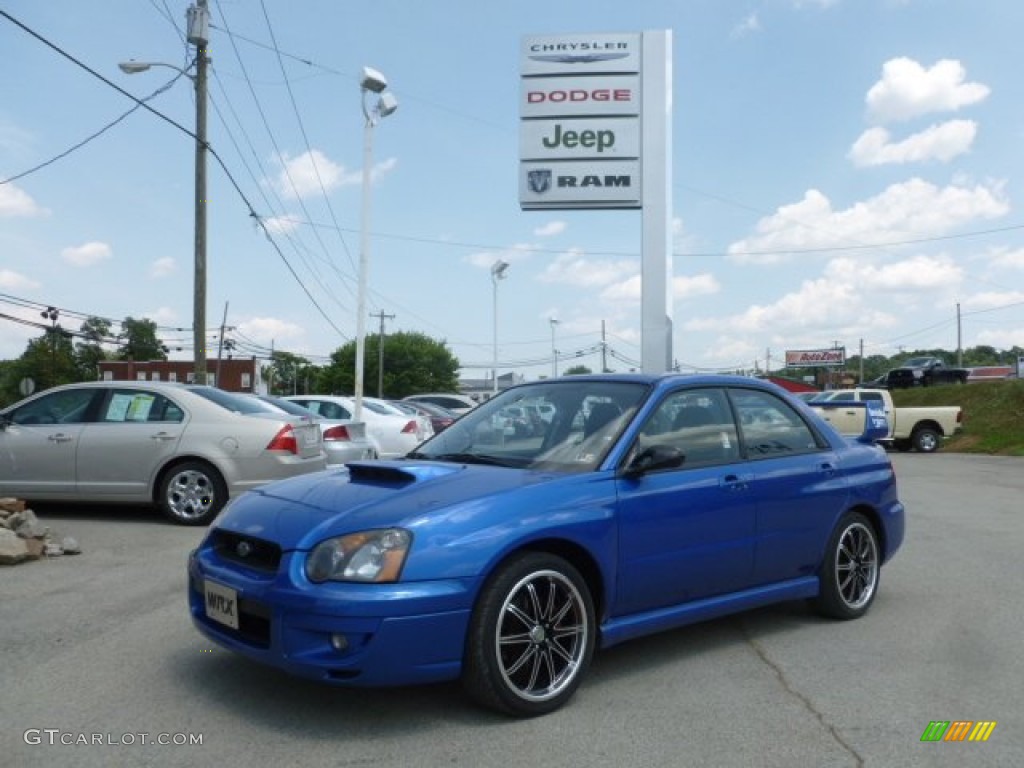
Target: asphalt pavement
{"x": 100, "y": 663}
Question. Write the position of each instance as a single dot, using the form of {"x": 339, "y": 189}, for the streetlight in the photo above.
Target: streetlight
{"x": 498, "y": 270}
{"x": 554, "y": 352}
{"x": 51, "y": 314}
{"x": 372, "y": 81}
{"x": 198, "y": 35}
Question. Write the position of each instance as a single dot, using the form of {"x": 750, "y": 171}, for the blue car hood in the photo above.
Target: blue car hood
{"x": 300, "y": 512}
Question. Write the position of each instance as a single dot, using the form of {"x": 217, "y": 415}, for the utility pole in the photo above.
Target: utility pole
{"x": 959, "y": 339}
{"x": 220, "y": 343}
{"x": 380, "y": 351}
{"x": 198, "y": 35}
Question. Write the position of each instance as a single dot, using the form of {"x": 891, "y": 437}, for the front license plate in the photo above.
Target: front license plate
{"x": 222, "y": 604}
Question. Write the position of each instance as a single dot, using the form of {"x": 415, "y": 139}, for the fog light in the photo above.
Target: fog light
{"x": 339, "y": 642}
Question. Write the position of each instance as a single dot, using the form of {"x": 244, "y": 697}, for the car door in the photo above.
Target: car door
{"x": 688, "y": 532}
{"x": 134, "y": 433}
{"x": 38, "y": 446}
{"x": 795, "y": 477}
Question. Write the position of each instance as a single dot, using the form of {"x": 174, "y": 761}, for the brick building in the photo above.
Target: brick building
{"x": 235, "y": 375}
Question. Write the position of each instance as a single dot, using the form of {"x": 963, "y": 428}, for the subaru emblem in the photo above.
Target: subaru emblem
{"x": 244, "y": 549}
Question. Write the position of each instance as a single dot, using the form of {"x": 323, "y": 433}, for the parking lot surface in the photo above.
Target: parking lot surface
{"x": 101, "y": 664}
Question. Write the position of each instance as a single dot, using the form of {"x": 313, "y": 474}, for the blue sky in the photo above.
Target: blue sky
{"x": 844, "y": 171}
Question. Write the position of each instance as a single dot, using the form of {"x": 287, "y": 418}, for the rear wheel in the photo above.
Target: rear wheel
{"x": 926, "y": 440}
{"x": 191, "y": 493}
{"x": 849, "y": 575}
{"x": 531, "y": 637}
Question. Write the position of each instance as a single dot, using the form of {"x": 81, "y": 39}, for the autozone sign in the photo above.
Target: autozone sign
{"x": 810, "y": 358}
{"x": 578, "y": 96}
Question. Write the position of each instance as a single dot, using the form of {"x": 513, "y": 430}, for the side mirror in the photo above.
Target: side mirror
{"x": 653, "y": 458}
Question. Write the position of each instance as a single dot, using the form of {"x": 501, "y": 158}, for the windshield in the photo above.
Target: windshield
{"x": 918, "y": 362}
{"x": 566, "y": 425}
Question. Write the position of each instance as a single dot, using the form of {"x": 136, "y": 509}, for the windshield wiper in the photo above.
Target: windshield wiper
{"x": 473, "y": 458}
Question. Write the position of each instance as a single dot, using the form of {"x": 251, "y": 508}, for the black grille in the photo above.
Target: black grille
{"x": 248, "y": 551}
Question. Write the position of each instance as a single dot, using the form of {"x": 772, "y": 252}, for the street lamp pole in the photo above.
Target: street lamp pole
{"x": 554, "y": 352}
{"x": 372, "y": 82}
{"x": 498, "y": 270}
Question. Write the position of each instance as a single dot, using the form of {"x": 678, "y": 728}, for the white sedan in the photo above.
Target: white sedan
{"x": 395, "y": 434}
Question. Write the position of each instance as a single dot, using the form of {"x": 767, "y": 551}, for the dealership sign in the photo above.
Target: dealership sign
{"x": 580, "y": 128}
{"x": 811, "y": 358}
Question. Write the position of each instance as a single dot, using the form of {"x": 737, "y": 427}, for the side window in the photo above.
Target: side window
{"x": 139, "y": 406}
{"x": 699, "y": 423}
{"x": 769, "y": 426}
{"x": 67, "y": 407}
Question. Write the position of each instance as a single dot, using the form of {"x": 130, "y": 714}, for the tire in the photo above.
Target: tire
{"x": 849, "y": 574}
{"x": 926, "y": 440}
{"x": 531, "y": 636}
{"x": 191, "y": 493}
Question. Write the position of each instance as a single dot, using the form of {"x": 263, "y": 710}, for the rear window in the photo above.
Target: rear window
{"x": 229, "y": 401}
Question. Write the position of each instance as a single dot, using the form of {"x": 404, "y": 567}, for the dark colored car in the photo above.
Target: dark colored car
{"x": 648, "y": 502}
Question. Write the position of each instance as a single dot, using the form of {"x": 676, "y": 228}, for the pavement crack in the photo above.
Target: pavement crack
{"x": 803, "y": 699}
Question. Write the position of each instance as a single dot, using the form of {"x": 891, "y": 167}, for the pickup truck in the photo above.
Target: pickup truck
{"x": 919, "y": 428}
{"x": 924, "y": 372}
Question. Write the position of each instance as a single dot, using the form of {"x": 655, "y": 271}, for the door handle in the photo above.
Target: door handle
{"x": 162, "y": 436}
{"x": 828, "y": 468}
{"x": 60, "y": 437}
{"x": 734, "y": 482}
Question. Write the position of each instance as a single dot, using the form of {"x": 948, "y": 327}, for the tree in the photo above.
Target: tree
{"x": 576, "y": 370}
{"x": 413, "y": 362}
{"x": 95, "y": 332}
{"x": 140, "y": 341}
{"x": 288, "y": 373}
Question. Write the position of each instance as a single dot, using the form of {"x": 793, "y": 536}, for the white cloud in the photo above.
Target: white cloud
{"x": 574, "y": 268}
{"x": 908, "y": 90}
{"x": 940, "y": 142}
{"x": 1002, "y": 338}
{"x": 13, "y": 281}
{"x": 162, "y": 316}
{"x": 1008, "y": 259}
{"x": 918, "y": 273}
{"x": 313, "y": 173}
{"x": 992, "y": 300}
{"x": 550, "y": 229}
{"x": 684, "y": 287}
{"x": 86, "y": 255}
{"x": 266, "y": 330}
{"x": 162, "y": 267}
{"x": 746, "y": 26}
{"x": 15, "y": 202}
{"x": 280, "y": 225}
{"x": 908, "y": 210}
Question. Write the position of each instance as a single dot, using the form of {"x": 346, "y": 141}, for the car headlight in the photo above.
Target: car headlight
{"x": 369, "y": 556}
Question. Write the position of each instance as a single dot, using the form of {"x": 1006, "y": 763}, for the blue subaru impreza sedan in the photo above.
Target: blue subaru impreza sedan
{"x": 505, "y": 557}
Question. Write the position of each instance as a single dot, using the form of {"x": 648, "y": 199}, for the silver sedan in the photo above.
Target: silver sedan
{"x": 185, "y": 449}
{"x": 345, "y": 440}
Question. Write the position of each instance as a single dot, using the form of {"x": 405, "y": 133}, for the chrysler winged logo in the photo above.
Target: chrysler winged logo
{"x": 244, "y": 549}
{"x": 539, "y": 181}
{"x": 577, "y": 58}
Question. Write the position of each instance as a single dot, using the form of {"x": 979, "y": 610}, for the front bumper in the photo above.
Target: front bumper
{"x": 343, "y": 634}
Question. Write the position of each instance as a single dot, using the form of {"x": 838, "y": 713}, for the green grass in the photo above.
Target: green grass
{"x": 993, "y": 414}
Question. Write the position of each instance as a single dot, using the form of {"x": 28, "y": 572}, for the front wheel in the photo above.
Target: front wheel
{"x": 849, "y": 574}
{"x": 531, "y": 637}
{"x": 191, "y": 493}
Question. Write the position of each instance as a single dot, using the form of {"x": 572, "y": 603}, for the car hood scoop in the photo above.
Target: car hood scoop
{"x": 394, "y": 475}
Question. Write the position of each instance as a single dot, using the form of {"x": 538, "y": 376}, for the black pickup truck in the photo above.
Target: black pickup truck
{"x": 924, "y": 372}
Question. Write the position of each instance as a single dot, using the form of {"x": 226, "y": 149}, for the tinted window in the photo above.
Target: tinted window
{"x": 233, "y": 403}
{"x": 769, "y": 426}
{"x": 66, "y": 407}
{"x": 697, "y": 422}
